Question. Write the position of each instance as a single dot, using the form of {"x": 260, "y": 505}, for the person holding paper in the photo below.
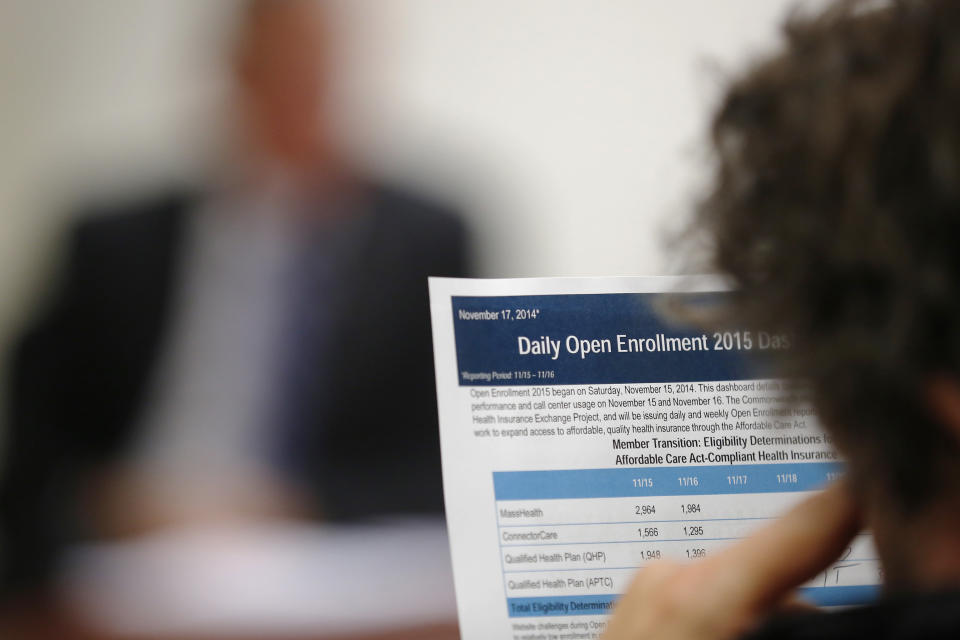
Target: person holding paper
{"x": 835, "y": 210}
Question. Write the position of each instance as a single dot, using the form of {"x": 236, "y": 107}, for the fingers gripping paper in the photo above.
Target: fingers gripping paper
{"x": 584, "y": 436}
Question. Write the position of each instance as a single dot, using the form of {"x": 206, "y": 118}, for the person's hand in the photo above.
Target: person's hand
{"x": 730, "y": 593}
{"x": 124, "y": 502}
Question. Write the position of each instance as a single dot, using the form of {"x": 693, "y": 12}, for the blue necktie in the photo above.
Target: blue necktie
{"x": 303, "y": 376}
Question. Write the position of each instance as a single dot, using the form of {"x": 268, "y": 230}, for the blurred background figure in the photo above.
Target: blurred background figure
{"x": 254, "y": 348}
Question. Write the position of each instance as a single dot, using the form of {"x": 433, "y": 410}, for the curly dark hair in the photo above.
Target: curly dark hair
{"x": 835, "y": 208}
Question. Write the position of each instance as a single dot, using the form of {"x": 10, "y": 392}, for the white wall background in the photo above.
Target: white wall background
{"x": 572, "y": 131}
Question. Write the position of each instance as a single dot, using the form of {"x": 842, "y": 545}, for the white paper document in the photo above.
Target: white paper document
{"x": 585, "y": 435}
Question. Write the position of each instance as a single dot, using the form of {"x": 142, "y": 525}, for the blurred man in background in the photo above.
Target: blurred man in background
{"x": 257, "y": 349}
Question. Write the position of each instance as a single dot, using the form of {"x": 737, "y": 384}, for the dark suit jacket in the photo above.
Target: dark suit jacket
{"x": 80, "y": 374}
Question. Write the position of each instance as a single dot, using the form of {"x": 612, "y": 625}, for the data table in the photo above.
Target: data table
{"x": 571, "y": 540}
